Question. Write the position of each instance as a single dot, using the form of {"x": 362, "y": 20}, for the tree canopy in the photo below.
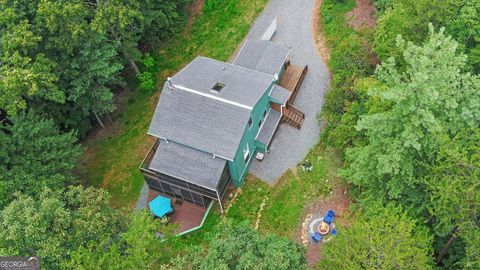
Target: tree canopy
{"x": 34, "y": 155}
{"x": 257, "y": 251}
{"x": 54, "y": 224}
{"x": 379, "y": 238}
{"x": 410, "y": 19}
{"x": 430, "y": 96}
{"x": 453, "y": 190}
{"x": 137, "y": 247}
{"x": 62, "y": 59}
{"x": 239, "y": 246}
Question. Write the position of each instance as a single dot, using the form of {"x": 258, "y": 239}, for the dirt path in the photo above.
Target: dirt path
{"x": 194, "y": 9}
{"x": 317, "y": 31}
{"x": 363, "y": 15}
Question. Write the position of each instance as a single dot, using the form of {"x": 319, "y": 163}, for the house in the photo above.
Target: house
{"x": 213, "y": 116}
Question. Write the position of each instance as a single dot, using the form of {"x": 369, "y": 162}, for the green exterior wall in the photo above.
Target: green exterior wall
{"x": 238, "y": 167}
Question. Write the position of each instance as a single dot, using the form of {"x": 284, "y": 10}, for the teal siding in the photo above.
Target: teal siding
{"x": 262, "y": 148}
{"x": 238, "y": 167}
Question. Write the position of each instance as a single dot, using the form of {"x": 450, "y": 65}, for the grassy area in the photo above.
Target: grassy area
{"x": 286, "y": 200}
{"x": 112, "y": 161}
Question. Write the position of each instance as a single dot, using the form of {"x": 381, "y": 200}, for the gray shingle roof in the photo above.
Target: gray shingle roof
{"x": 200, "y": 122}
{"x": 262, "y": 55}
{"x": 280, "y": 94}
{"x": 269, "y": 126}
{"x": 242, "y": 85}
{"x": 188, "y": 164}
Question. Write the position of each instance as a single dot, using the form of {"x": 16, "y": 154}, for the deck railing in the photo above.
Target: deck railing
{"x": 148, "y": 158}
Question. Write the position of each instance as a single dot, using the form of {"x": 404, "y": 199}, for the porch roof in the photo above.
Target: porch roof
{"x": 269, "y": 126}
{"x": 188, "y": 164}
{"x": 280, "y": 94}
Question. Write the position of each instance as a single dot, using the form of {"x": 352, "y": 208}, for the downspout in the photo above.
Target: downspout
{"x": 219, "y": 201}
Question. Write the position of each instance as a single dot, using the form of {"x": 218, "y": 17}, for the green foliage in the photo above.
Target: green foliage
{"x": 453, "y": 188}
{"x": 24, "y": 75}
{"x": 136, "y": 248}
{"x": 431, "y": 97}
{"x": 147, "y": 81}
{"x": 34, "y": 155}
{"x": 382, "y": 5}
{"x": 410, "y": 18}
{"x": 241, "y": 247}
{"x": 379, "y": 238}
{"x": 61, "y": 59}
{"x": 146, "y": 77}
{"x": 349, "y": 60}
{"x": 54, "y": 224}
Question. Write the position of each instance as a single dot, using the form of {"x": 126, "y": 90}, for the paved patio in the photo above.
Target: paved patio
{"x": 294, "y": 30}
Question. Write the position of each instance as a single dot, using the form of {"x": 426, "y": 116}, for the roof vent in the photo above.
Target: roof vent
{"x": 171, "y": 87}
{"x": 218, "y": 87}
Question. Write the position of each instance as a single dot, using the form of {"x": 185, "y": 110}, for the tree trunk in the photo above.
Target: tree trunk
{"x": 124, "y": 52}
{"x": 98, "y": 119}
{"x": 447, "y": 246}
{"x": 109, "y": 118}
{"x": 133, "y": 65}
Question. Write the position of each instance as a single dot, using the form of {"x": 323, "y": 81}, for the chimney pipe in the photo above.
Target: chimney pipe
{"x": 171, "y": 87}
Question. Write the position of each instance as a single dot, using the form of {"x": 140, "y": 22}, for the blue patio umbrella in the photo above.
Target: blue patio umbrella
{"x": 160, "y": 206}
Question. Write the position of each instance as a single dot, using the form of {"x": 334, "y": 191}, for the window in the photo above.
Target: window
{"x": 246, "y": 153}
{"x": 250, "y": 122}
{"x": 218, "y": 87}
{"x": 264, "y": 114}
{"x": 260, "y": 123}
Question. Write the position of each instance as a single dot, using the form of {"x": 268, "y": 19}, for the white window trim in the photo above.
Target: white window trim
{"x": 246, "y": 152}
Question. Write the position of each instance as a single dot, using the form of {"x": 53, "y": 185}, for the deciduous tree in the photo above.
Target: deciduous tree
{"x": 430, "y": 96}
{"x": 241, "y": 247}
{"x": 55, "y": 224}
{"x": 379, "y": 238}
{"x": 453, "y": 187}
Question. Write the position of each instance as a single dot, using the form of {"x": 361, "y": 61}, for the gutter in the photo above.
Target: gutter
{"x": 201, "y": 224}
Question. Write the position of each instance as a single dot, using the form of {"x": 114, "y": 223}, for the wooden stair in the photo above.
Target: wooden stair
{"x": 293, "y": 116}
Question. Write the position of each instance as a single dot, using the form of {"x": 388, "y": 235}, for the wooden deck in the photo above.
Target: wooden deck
{"x": 291, "y": 80}
{"x": 185, "y": 214}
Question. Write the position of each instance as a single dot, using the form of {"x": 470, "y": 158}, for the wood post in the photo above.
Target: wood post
{"x": 98, "y": 120}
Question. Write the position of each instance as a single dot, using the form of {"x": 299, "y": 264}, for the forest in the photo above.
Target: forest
{"x": 402, "y": 112}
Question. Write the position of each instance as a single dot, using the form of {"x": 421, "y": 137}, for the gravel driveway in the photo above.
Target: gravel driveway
{"x": 294, "y": 30}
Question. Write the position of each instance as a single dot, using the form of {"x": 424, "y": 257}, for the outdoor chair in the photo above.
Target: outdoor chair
{"x": 316, "y": 237}
{"x": 329, "y": 217}
{"x": 333, "y": 232}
